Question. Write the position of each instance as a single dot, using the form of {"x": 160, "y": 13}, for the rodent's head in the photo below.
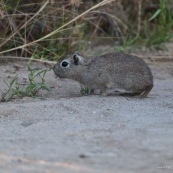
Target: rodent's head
{"x": 70, "y": 67}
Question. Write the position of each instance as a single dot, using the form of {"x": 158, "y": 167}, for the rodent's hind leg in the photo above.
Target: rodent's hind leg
{"x": 140, "y": 94}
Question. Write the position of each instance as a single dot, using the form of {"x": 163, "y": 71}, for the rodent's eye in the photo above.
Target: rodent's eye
{"x": 64, "y": 64}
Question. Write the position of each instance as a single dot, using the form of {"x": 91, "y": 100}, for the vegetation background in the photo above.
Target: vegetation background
{"x": 49, "y": 29}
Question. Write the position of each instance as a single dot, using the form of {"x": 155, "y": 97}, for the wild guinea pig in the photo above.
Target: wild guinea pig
{"x": 120, "y": 72}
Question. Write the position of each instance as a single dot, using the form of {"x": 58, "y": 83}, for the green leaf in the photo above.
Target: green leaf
{"x": 154, "y": 15}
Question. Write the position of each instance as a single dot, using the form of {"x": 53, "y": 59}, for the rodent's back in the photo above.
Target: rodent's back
{"x": 120, "y": 63}
{"x": 124, "y": 70}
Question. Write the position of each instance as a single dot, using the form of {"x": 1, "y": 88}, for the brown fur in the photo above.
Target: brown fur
{"x": 109, "y": 71}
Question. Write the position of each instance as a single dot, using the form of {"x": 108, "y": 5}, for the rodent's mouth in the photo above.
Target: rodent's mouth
{"x": 57, "y": 74}
{"x": 55, "y": 70}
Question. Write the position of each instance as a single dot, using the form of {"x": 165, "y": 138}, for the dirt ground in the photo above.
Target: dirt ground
{"x": 62, "y": 131}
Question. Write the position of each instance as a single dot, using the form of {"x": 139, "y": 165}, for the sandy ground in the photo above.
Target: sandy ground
{"x": 63, "y": 131}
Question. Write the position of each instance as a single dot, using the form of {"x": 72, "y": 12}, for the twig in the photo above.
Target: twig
{"x": 20, "y": 29}
{"x": 139, "y": 16}
{"x": 24, "y": 58}
{"x": 60, "y": 28}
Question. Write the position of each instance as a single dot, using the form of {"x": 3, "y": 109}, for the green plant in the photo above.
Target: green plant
{"x": 36, "y": 83}
{"x": 128, "y": 44}
{"x": 162, "y": 31}
{"x": 10, "y": 91}
{"x": 34, "y": 87}
{"x": 85, "y": 91}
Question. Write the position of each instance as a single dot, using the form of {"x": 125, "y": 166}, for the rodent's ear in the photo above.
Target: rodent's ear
{"x": 76, "y": 53}
{"x": 77, "y": 58}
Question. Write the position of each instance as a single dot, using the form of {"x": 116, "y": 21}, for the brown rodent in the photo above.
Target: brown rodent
{"x": 108, "y": 71}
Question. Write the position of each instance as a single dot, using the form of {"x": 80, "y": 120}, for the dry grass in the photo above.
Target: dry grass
{"x": 20, "y": 36}
{"x": 49, "y": 29}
